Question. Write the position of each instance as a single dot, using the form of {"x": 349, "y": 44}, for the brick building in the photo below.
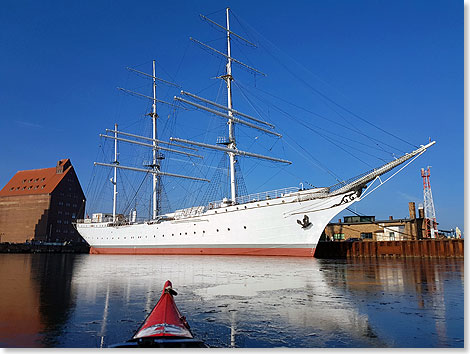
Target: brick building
{"x": 367, "y": 228}
{"x": 40, "y": 205}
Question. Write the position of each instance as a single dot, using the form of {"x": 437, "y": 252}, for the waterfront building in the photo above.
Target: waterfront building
{"x": 40, "y": 205}
{"x": 367, "y": 228}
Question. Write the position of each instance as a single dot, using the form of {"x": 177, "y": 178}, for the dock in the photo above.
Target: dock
{"x": 7, "y": 247}
{"x": 437, "y": 248}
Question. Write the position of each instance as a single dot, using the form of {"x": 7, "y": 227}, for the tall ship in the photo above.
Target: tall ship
{"x": 282, "y": 222}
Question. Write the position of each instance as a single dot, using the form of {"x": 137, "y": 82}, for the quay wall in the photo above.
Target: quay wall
{"x": 7, "y": 247}
{"x": 447, "y": 248}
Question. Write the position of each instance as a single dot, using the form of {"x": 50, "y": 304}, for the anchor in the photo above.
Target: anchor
{"x": 305, "y": 222}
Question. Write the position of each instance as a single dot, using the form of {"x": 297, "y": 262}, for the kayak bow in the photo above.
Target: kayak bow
{"x": 164, "y": 327}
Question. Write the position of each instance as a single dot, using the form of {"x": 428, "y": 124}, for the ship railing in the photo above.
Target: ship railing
{"x": 94, "y": 221}
{"x": 194, "y": 211}
{"x": 255, "y": 197}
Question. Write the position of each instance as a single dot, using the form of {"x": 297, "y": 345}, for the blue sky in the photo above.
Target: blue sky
{"x": 397, "y": 64}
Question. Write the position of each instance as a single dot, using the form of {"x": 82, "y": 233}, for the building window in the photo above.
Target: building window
{"x": 366, "y": 235}
{"x": 338, "y": 236}
{"x": 391, "y": 235}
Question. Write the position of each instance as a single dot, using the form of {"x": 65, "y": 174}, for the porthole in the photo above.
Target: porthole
{"x": 185, "y": 233}
{"x": 217, "y": 230}
{"x": 228, "y": 228}
{"x": 195, "y": 232}
{"x": 244, "y": 227}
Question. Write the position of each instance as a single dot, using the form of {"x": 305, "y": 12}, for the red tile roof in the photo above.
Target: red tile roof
{"x": 42, "y": 181}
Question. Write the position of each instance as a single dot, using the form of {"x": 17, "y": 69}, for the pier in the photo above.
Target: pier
{"x": 447, "y": 248}
{"x": 7, "y": 247}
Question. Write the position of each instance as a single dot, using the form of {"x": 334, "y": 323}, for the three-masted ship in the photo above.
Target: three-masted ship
{"x": 284, "y": 222}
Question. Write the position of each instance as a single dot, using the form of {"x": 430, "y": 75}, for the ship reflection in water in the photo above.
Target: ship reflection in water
{"x": 95, "y": 301}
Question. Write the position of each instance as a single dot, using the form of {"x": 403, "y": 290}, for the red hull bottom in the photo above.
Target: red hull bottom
{"x": 292, "y": 252}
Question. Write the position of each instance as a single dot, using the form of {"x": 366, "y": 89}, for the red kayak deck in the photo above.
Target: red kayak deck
{"x": 165, "y": 327}
{"x": 165, "y": 320}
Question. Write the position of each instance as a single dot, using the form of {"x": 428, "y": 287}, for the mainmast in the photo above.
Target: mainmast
{"x": 114, "y": 181}
{"x": 155, "y": 166}
{"x": 154, "y": 144}
{"x": 231, "y": 128}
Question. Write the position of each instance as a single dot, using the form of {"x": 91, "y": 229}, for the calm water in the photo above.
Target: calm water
{"x": 94, "y": 300}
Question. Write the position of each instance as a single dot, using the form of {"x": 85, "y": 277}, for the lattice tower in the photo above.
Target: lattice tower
{"x": 429, "y": 211}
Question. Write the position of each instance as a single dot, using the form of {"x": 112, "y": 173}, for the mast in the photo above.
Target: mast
{"x": 115, "y": 173}
{"x": 231, "y": 135}
{"x": 155, "y": 177}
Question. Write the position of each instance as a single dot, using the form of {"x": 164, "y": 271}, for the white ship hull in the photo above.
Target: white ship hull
{"x": 290, "y": 225}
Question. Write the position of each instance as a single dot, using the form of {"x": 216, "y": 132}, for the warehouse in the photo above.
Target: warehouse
{"x": 368, "y": 228}
{"x": 40, "y": 205}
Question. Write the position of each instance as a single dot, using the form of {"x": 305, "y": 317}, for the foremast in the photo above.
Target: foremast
{"x": 155, "y": 166}
{"x": 231, "y": 145}
{"x": 231, "y": 134}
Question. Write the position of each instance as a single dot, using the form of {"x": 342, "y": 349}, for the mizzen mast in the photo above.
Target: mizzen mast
{"x": 154, "y": 167}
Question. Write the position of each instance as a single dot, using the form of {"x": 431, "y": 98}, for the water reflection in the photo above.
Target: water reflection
{"x": 36, "y": 298}
{"x": 95, "y": 300}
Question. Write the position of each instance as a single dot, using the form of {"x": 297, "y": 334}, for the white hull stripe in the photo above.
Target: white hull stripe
{"x": 210, "y": 246}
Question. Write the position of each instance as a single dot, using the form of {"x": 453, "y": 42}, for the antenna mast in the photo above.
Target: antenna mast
{"x": 231, "y": 134}
{"x": 429, "y": 211}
